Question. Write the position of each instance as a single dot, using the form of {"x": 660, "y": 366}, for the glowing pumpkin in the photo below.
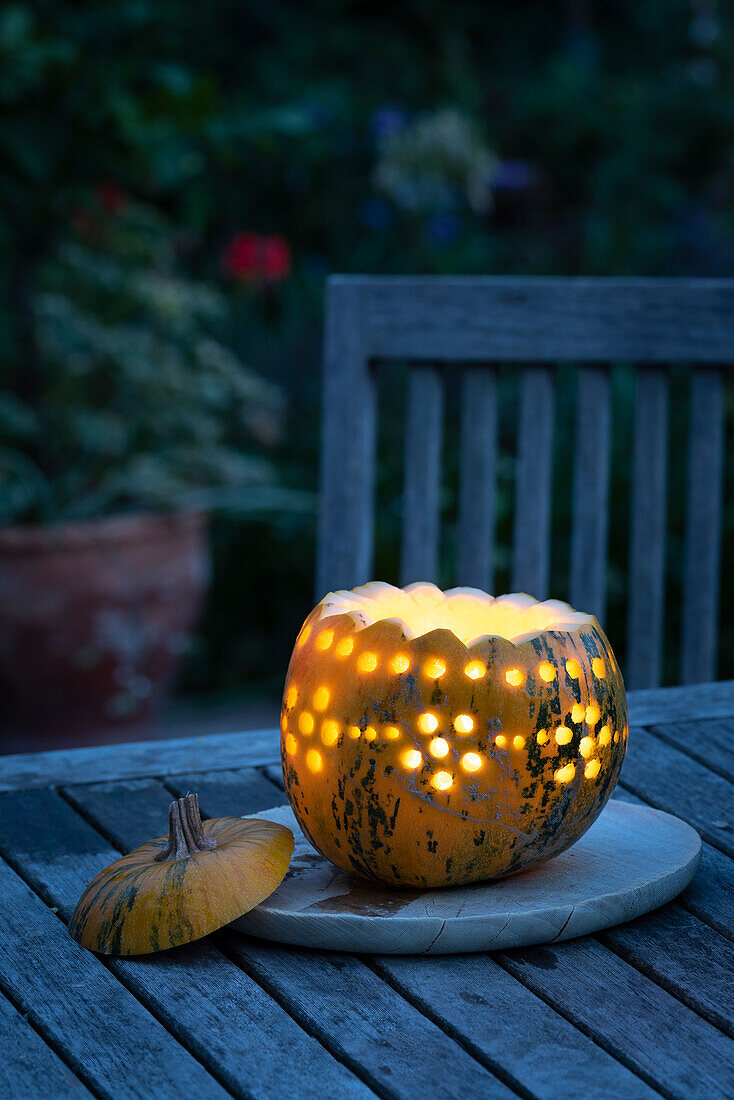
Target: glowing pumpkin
{"x": 433, "y": 739}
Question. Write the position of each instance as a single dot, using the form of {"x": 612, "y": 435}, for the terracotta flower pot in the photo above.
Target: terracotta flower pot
{"x": 94, "y": 617}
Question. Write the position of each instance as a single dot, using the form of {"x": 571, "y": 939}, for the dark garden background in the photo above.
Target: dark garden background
{"x": 177, "y": 180}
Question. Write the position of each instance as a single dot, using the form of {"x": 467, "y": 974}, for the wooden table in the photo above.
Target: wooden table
{"x": 642, "y": 1010}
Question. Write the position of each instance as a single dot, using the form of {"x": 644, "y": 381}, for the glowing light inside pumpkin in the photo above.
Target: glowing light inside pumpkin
{"x": 291, "y": 696}
{"x": 546, "y": 671}
{"x": 344, "y": 647}
{"x": 475, "y": 670}
{"x": 370, "y": 733}
{"x": 468, "y": 613}
{"x": 578, "y": 710}
{"x": 598, "y": 668}
{"x": 471, "y": 761}
{"x": 592, "y": 769}
{"x": 563, "y": 735}
{"x": 303, "y": 636}
{"x": 518, "y": 742}
{"x": 305, "y": 722}
{"x": 367, "y": 662}
{"x": 324, "y": 640}
{"x": 592, "y": 715}
{"x": 434, "y": 668}
{"x": 442, "y": 781}
{"x": 321, "y": 698}
{"x": 542, "y": 737}
{"x": 313, "y": 760}
{"x": 354, "y": 732}
{"x": 439, "y": 747}
{"x": 586, "y": 746}
{"x": 427, "y": 723}
{"x": 604, "y": 735}
{"x": 565, "y": 774}
{"x": 400, "y": 663}
{"x": 412, "y": 759}
{"x": 392, "y": 733}
{"x": 290, "y": 744}
{"x": 515, "y": 677}
{"x": 500, "y": 740}
{"x": 330, "y": 732}
{"x": 573, "y": 668}
{"x": 463, "y": 723}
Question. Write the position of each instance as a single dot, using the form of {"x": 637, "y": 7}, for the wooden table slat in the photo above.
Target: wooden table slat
{"x": 28, "y": 1066}
{"x": 711, "y": 742}
{"x": 493, "y": 1014}
{"x": 204, "y": 999}
{"x": 107, "y": 1037}
{"x": 693, "y": 702}
{"x": 631, "y": 1016}
{"x": 672, "y": 781}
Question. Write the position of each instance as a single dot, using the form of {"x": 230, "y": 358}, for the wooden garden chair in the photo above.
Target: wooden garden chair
{"x": 474, "y": 324}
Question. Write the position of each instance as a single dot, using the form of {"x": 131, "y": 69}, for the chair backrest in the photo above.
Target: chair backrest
{"x": 478, "y": 323}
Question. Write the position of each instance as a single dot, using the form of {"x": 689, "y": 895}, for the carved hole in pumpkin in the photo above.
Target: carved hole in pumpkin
{"x": 518, "y": 742}
{"x": 412, "y": 759}
{"x": 321, "y": 698}
{"x": 291, "y": 696}
{"x": 592, "y": 769}
{"x": 313, "y": 760}
{"x": 439, "y": 747}
{"x": 604, "y": 735}
{"x": 616, "y": 738}
{"x": 428, "y": 723}
{"x": 367, "y": 662}
{"x": 471, "y": 761}
{"x": 291, "y": 744}
{"x": 434, "y": 668}
{"x": 400, "y": 663}
{"x": 542, "y": 737}
{"x": 573, "y": 668}
{"x": 592, "y": 714}
{"x": 324, "y": 640}
{"x": 330, "y": 731}
{"x": 345, "y": 647}
{"x": 500, "y": 740}
{"x": 586, "y": 746}
{"x": 392, "y": 733}
{"x": 305, "y": 722}
{"x": 598, "y": 668}
{"x": 546, "y": 671}
{"x": 563, "y": 735}
{"x": 475, "y": 670}
{"x": 303, "y": 636}
{"x": 463, "y": 723}
{"x": 515, "y": 677}
{"x": 354, "y": 732}
{"x": 578, "y": 711}
{"x": 442, "y": 781}
{"x": 564, "y": 774}
{"x": 370, "y": 733}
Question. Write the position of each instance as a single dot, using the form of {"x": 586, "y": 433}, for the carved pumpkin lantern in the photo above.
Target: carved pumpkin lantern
{"x": 437, "y": 739}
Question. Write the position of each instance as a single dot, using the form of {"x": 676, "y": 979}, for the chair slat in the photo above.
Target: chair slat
{"x": 703, "y": 526}
{"x": 589, "y": 525}
{"x": 422, "y": 485}
{"x": 477, "y": 478}
{"x": 533, "y": 481}
{"x": 346, "y": 519}
{"x": 646, "y": 591}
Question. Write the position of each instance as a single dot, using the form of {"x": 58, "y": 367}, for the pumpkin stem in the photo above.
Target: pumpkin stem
{"x": 186, "y": 836}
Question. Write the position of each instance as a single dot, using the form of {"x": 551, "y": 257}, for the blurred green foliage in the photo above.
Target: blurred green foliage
{"x": 591, "y": 137}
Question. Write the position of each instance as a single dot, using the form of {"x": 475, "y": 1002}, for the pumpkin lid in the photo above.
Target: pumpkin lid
{"x": 180, "y": 887}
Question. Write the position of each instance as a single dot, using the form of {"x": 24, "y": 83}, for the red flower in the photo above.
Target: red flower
{"x": 110, "y": 196}
{"x": 257, "y": 259}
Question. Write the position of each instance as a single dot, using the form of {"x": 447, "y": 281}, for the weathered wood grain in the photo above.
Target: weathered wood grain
{"x": 367, "y": 1024}
{"x": 472, "y": 998}
{"x": 681, "y": 704}
{"x": 703, "y": 527}
{"x": 477, "y": 478}
{"x": 630, "y": 1016}
{"x": 105, "y": 1035}
{"x": 710, "y": 742}
{"x": 646, "y": 585}
{"x": 346, "y": 515}
{"x": 220, "y": 1014}
{"x": 590, "y": 512}
{"x": 709, "y": 895}
{"x": 533, "y": 495}
{"x": 28, "y": 1067}
{"x": 667, "y": 778}
{"x": 419, "y": 558}
{"x": 521, "y": 319}
{"x": 229, "y": 794}
{"x": 218, "y": 752}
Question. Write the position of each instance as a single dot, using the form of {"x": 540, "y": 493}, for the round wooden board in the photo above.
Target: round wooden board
{"x": 631, "y": 860}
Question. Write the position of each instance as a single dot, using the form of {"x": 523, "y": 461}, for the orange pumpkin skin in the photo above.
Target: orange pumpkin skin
{"x": 549, "y": 750}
